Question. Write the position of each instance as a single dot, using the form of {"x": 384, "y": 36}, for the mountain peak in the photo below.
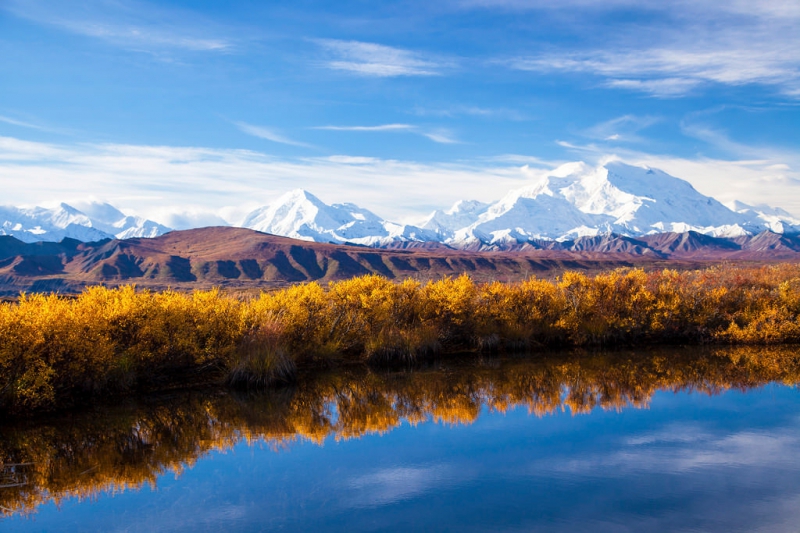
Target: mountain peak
{"x": 101, "y": 211}
{"x": 297, "y": 195}
{"x": 568, "y": 202}
{"x": 301, "y": 215}
{"x": 69, "y": 209}
{"x": 569, "y": 169}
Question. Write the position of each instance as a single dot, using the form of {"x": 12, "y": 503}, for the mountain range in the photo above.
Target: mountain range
{"x": 239, "y": 258}
{"x": 94, "y": 221}
{"x": 572, "y": 201}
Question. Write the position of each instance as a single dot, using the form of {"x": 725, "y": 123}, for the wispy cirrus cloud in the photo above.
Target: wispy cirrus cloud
{"x": 662, "y": 87}
{"x": 621, "y": 129}
{"x": 472, "y": 111}
{"x": 130, "y": 24}
{"x": 677, "y": 71}
{"x": 370, "y": 59}
{"x": 33, "y": 124}
{"x": 438, "y": 135}
{"x": 381, "y": 127}
{"x": 268, "y": 134}
{"x": 441, "y": 136}
{"x": 20, "y": 123}
{"x": 766, "y": 9}
{"x": 684, "y": 46}
{"x": 29, "y": 125}
{"x": 154, "y": 180}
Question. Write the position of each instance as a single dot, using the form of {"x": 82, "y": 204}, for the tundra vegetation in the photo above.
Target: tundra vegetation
{"x": 129, "y": 444}
{"x": 57, "y": 351}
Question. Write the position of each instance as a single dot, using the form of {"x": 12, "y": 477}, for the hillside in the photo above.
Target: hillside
{"x": 247, "y": 259}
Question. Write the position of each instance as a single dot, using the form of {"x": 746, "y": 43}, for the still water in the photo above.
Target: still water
{"x": 667, "y": 440}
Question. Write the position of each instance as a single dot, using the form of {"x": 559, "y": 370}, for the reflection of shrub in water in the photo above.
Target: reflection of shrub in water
{"x": 131, "y": 445}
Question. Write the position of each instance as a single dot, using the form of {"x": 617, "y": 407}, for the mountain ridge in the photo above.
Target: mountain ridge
{"x": 246, "y": 259}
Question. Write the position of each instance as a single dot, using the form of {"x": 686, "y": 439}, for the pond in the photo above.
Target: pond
{"x": 672, "y": 439}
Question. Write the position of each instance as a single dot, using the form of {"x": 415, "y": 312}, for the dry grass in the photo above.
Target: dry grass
{"x": 261, "y": 360}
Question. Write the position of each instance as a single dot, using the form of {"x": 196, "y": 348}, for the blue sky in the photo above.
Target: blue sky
{"x": 190, "y": 110}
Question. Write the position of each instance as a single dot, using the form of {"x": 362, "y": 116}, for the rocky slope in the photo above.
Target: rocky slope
{"x": 237, "y": 257}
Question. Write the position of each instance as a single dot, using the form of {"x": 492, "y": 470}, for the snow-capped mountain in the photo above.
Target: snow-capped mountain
{"x": 775, "y": 219}
{"x": 577, "y": 200}
{"x": 572, "y": 201}
{"x": 111, "y": 220}
{"x": 93, "y": 222}
{"x": 301, "y": 215}
{"x": 461, "y": 215}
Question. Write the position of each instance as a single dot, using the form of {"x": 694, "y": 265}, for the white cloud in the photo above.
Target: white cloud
{"x": 34, "y": 125}
{"x": 269, "y": 134}
{"x": 370, "y": 59}
{"x": 20, "y": 123}
{"x": 764, "y": 9}
{"x": 475, "y": 111}
{"x": 662, "y": 88}
{"x": 153, "y": 180}
{"x": 382, "y": 127}
{"x": 683, "y": 451}
{"x": 440, "y": 135}
{"x": 130, "y": 24}
{"x": 671, "y": 72}
{"x": 156, "y": 181}
{"x": 622, "y": 129}
{"x": 353, "y": 160}
{"x": 684, "y": 46}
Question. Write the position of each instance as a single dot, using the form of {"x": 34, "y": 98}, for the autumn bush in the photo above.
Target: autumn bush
{"x": 56, "y": 350}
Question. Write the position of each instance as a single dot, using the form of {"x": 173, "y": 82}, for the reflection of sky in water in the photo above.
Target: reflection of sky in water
{"x": 688, "y": 463}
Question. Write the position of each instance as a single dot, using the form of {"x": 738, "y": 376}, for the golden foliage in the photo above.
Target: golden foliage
{"x": 55, "y": 350}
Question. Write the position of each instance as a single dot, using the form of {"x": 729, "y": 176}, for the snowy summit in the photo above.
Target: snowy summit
{"x": 571, "y": 201}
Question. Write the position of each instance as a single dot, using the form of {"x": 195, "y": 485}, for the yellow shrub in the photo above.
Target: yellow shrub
{"x": 55, "y": 349}
{"x": 450, "y": 305}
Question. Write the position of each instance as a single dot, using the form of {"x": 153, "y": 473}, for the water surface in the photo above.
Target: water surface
{"x": 668, "y": 440}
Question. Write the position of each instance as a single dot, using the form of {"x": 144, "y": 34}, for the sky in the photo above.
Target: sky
{"x": 192, "y": 111}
